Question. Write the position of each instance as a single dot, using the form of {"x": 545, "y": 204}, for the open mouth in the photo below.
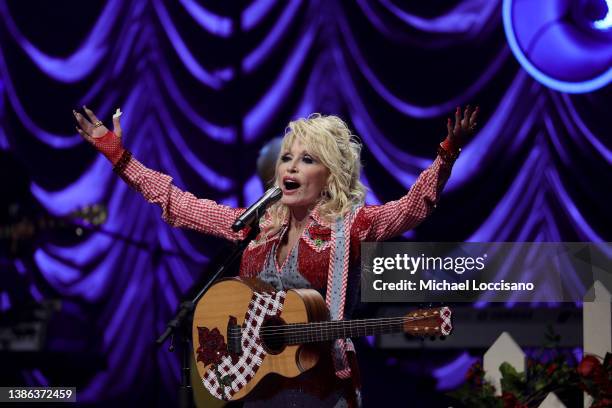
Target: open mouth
{"x": 291, "y": 184}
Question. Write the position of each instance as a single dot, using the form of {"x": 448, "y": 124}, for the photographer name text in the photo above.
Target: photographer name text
{"x": 444, "y": 285}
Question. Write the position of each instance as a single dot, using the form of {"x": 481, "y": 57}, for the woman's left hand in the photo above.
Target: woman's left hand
{"x": 463, "y": 128}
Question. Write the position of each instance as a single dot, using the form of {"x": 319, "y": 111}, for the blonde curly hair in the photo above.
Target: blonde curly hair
{"x": 329, "y": 139}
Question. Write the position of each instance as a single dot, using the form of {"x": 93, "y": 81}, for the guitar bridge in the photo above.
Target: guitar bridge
{"x": 234, "y": 336}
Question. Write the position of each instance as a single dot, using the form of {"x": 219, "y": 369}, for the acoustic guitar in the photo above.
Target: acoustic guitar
{"x": 26, "y": 229}
{"x": 243, "y": 330}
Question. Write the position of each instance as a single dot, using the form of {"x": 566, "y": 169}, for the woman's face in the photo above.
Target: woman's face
{"x": 301, "y": 177}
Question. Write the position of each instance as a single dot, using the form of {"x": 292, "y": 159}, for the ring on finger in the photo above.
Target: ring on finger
{"x": 98, "y": 123}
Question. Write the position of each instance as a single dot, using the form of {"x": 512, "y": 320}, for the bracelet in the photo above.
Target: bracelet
{"x": 122, "y": 162}
{"x": 446, "y": 155}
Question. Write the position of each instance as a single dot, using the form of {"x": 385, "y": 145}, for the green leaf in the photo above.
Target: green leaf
{"x": 541, "y": 383}
{"x": 512, "y": 381}
{"x": 507, "y": 369}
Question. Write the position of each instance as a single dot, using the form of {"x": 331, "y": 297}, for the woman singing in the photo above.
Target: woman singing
{"x": 311, "y": 237}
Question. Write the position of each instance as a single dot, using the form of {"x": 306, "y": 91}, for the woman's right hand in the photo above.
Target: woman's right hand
{"x": 93, "y": 130}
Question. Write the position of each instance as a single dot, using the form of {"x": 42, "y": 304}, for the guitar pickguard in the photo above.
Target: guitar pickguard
{"x": 229, "y": 373}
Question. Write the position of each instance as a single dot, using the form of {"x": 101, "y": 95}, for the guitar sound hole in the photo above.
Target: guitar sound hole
{"x": 272, "y": 335}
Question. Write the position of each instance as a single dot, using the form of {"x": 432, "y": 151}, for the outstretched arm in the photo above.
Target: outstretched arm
{"x": 179, "y": 208}
{"x": 381, "y": 222}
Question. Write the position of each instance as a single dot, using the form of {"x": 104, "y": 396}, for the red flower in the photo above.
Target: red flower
{"x": 474, "y": 374}
{"x": 509, "y": 399}
{"x": 212, "y": 346}
{"x": 602, "y": 403}
{"x": 589, "y": 366}
{"x": 551, "y": 369}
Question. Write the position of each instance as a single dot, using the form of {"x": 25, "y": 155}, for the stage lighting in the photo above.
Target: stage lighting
{"x": 565, "y": 45}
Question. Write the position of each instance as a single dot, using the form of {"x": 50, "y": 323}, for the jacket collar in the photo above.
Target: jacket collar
{"x": 315, "y": 215}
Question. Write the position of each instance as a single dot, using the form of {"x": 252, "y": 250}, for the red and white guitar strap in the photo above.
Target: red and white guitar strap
{"x": 337, "y": 278}
{"x": 343, "y": 350}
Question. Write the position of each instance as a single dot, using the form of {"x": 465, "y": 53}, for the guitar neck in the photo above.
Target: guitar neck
{"x": 425, "y": 322}
{"x": 326, "y": 331}
{"x": 26, "y": 227}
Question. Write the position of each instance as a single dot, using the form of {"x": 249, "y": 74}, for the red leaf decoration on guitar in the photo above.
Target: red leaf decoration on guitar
{"x": 212, "y": 346}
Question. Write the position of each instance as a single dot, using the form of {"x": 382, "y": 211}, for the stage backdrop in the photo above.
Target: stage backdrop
{"x": 204, "y": 85}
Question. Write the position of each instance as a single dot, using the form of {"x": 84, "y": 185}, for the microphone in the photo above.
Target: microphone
{"x": 256, "y": 210}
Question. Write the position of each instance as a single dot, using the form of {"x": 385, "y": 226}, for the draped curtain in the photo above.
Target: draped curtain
{"x": 204, "y": 85}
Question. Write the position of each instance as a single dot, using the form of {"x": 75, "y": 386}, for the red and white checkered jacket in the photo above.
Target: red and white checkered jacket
{"x": 369, "y": 223}
{"x": 317, "y": 245}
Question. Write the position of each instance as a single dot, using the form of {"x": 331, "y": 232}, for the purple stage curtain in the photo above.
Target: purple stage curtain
{"x": 204, "y": 84}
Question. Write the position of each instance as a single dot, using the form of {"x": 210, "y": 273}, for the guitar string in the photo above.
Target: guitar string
{"x": 313, "y": 330}
{"x": 331, "y": 334}
{"x": 340, "y": 324}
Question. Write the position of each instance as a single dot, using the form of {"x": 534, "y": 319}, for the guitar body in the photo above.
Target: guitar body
{"x": 243, "y": 330}
{"x": 230, "y": 298}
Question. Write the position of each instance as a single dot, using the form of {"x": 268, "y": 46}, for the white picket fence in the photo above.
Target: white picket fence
{"x": 597, "y": 340}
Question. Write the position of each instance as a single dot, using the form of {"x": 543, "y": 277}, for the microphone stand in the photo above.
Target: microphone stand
{"x": 179, "y": 324}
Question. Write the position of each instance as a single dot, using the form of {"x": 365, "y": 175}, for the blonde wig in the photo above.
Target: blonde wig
{"x": 330, "y": 141}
